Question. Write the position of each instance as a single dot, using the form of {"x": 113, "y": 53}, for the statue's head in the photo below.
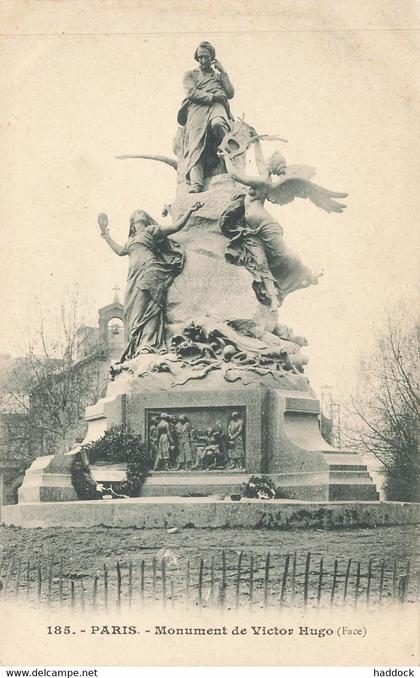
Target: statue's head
{"x": 205, "y": 54}
{"x": 138, "y": 220}
{"x": 277, "y": 163}
{"x": 235, "y": 415}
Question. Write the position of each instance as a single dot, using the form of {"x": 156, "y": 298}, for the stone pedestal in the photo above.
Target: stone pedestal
{"x": 281, "y": 440}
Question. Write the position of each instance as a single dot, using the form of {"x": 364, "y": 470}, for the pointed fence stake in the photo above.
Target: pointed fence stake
{"x": 223, "y": 585}
{"x": 39, "y": 581}
{"x": 407, "y": 576}
{"x": 142, "y": 581}
{"x": 238, "y": 578}
{"x": 8, "y": 576}
{"x": 187, "y": 584}
{"x": 320, "y": 578}
{"x": 266, "y": 578}
{"x": 163, "y": 575}
{"x": 334, "y": 583}
{"x": 154, "y": 578}
{"x": 17, "y": 581}
{"x": 200, "y": 583}
{"x": 346, "y": 581}
{"x": 369, "y": 581}
{"x": 251, "y": 580}
{"x": 130, "y": 583}
{"x": 119, "y": 580}
{"x": 306, "y": 580}
{"x": 28, "y": 577}
{"x": 394, "y": 580}
{"x": 95, "y": 590}
{"x": 212, "y": 580}
{"x": 284, "y": 580}
{"x": 357, "y": 587}
{"x": 50, "y": 573}
{"x": 72, "y": 593}
{"x": 105, "y": 587}
{"x": 293, "y": 582}
{"x": 82, "y": 595}
{"x": 381, "y": 582}
{"x": 60, "y": 581}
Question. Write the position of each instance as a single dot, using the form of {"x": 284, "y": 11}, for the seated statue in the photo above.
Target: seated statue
{"x": 256, "y": 238}
{"x": 204, "y": 115}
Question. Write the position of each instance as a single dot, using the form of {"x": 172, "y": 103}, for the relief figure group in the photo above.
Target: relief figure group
{"x": 174, "y": 444}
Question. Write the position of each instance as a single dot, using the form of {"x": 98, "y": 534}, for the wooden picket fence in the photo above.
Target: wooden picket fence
{"x": 226, "y": 581}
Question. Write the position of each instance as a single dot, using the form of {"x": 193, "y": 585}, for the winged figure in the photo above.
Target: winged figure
{"x": 256, "y": 238}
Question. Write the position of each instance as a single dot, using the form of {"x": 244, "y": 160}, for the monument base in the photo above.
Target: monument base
{"x": 194, "y": 484}
{"x": 281, "y": 440}
{"x": 207, "y": 513}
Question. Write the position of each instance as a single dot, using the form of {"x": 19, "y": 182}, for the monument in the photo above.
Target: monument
{"x": 211, "y": 376}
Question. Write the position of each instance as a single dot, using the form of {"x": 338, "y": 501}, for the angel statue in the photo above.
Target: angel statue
{"x": 256, "y": 238}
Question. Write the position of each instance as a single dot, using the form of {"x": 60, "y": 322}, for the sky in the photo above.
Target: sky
{"x": 79, "y": 87}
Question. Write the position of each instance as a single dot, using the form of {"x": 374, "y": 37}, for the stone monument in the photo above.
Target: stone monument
{"x": 211, "y": 375}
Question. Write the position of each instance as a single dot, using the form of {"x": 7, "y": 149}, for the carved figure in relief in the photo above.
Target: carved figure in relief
{"x": 165, "y": 443}
{"x": 153, "y": 439}
{"x": 185, "y": 443}
{"x": 236, "y": 450}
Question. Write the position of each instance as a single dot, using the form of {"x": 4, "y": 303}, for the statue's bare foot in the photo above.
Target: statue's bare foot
{"x": 259, "y": 329}
{"x": 196, "y": 189}
{"x": 262, "y": 318}
{"x": 272, "y": 320}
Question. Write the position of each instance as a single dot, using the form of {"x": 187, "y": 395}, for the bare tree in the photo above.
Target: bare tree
{"x": 43, "y": 394}
{"x": 384, "y": 411}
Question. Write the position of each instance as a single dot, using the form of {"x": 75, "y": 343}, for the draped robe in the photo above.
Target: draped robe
{"x": 154, "y": 263}
{"x": 198, "y": 110}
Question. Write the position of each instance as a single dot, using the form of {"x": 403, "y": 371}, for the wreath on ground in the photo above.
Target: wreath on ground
{"x": 117, "y": 445}
{"x": 260, "y": 487}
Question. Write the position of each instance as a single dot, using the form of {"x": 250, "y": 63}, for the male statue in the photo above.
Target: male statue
{"x": 205, "y": 116}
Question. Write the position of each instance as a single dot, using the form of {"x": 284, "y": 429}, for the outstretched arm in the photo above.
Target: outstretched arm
{"x": 259, "y": 159}
{"x": 181, "y": 222}
{"x": 240, "y": 176}
{"x": 103, "y": 225}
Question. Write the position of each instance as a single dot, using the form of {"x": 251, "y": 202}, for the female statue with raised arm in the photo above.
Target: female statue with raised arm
{"x": 154, "y": 262}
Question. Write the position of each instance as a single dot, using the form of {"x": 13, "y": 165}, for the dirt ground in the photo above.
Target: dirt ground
{"x": 34, "y": 554}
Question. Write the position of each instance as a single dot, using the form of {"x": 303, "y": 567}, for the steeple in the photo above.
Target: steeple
{"x": 116, "y": 297}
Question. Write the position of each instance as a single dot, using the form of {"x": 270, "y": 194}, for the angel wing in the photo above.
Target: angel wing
{"x": 172, "y": 162}
{"x": 302, "y": 171}
{"x": 288, "y": 188}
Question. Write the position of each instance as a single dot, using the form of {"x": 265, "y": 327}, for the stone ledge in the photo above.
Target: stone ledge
{"x": 166, "y": 512}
